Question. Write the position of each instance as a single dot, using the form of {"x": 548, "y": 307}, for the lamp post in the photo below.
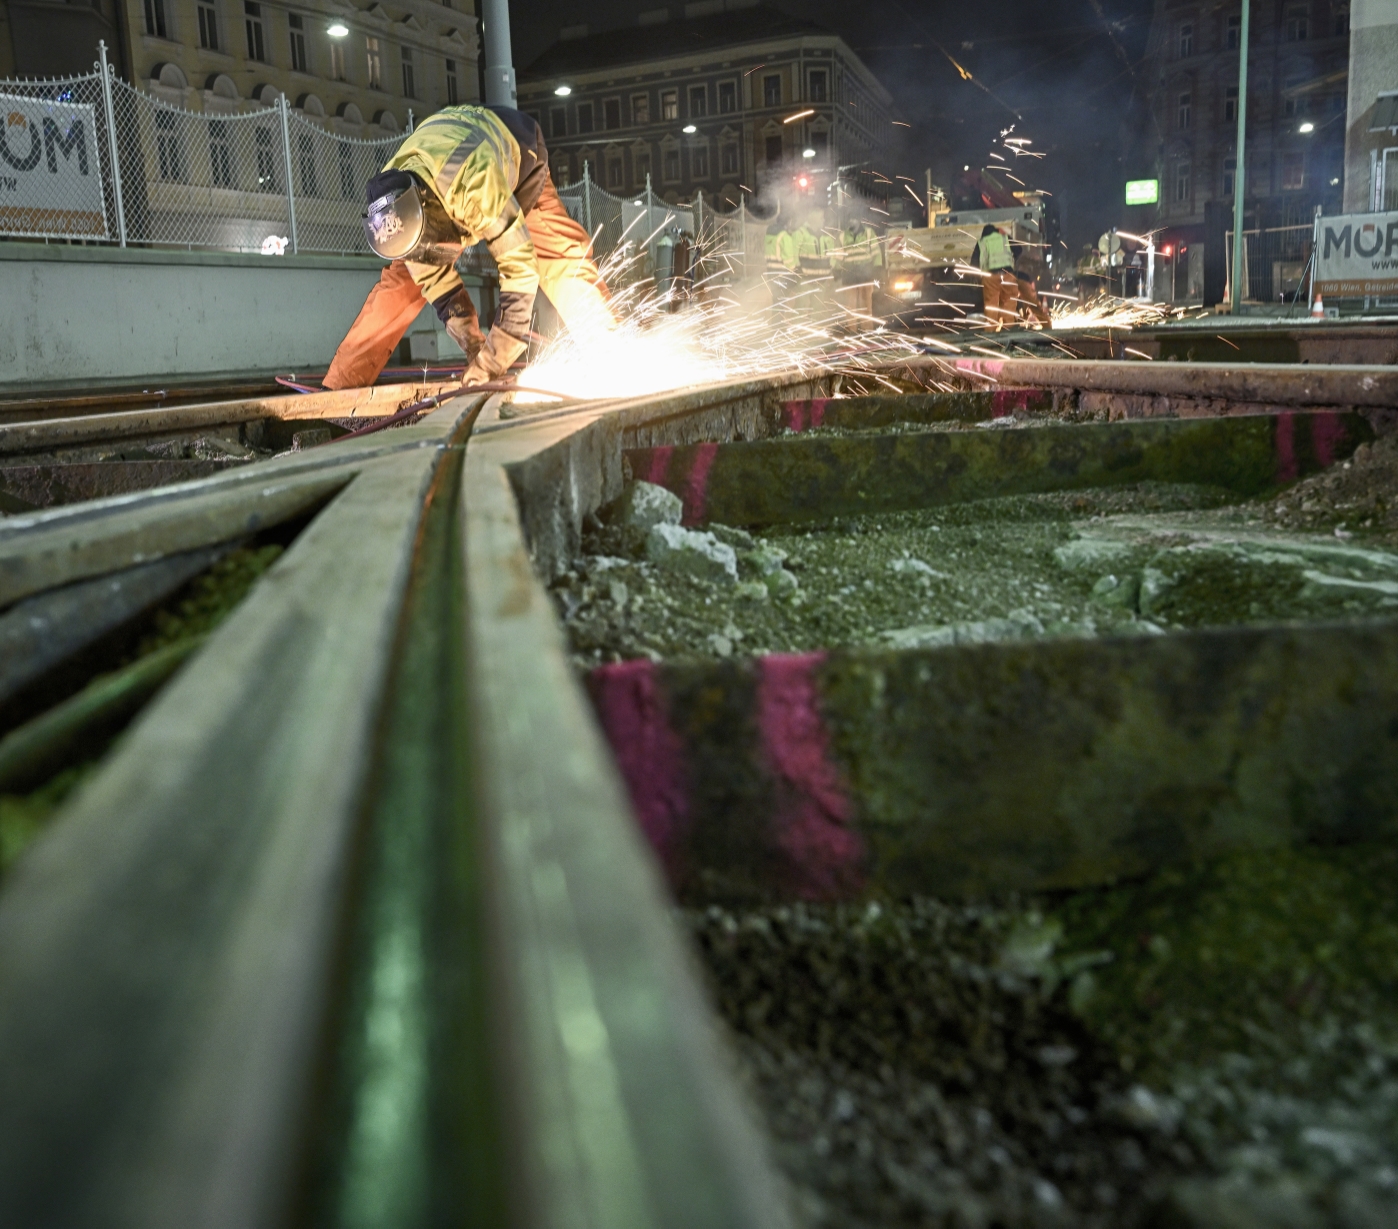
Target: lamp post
{"x": 1238, "y": 170}
{"x": 499, "y": 67}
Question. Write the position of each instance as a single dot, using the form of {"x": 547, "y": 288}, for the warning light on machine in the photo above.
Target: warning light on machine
{"x": 1142, "y": 191}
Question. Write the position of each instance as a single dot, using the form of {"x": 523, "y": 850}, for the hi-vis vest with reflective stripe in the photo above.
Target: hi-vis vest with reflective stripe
{"x": 995, "y": 252}
{"x": 472, "y": 161}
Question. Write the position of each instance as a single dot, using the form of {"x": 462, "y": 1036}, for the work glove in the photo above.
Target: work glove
{"x": 492, "y": 361}
{"x": 458, "y": 313}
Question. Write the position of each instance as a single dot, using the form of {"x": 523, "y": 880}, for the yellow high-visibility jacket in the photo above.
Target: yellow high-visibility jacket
{"x": 996, "y": 253}
{"x": 780, "y": 250}
{"x": 473, "y": 163}
{"x": 812, "y": 249}
{"x": 860, "y": 248}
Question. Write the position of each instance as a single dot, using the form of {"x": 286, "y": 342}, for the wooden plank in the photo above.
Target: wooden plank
{"x": 49, "y": 433}
{"x": 622, "y": 1104}
{"x": 167, "y": 946}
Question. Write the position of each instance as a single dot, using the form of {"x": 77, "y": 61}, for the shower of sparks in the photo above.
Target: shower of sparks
{"x": 676, "y": 337}
{"x": 1109, "y": 312}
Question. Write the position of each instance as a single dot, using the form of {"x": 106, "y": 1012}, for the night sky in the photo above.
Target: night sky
{"x": 1064, "y": 73}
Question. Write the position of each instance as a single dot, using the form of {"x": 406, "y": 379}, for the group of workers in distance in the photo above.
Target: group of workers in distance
{"x": 473, "y": 174}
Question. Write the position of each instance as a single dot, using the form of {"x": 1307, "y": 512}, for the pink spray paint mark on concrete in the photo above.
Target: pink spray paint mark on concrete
{"x": 1285, "y": 444}
{"x": 1005, "y": 401}
{"x": 659, "y": 464}
{"x": 696, "y": 487}
{"x": 824, "y": 855}
{"x": 804, "y": 415}
{"x": 1327, "y": 434}
{"x": 648, "y": 752}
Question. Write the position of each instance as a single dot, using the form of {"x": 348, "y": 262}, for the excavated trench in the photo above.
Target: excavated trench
{"x": 1027, "y": 786}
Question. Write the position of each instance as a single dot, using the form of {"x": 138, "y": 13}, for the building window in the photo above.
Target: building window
{"x": 772, "y": 91}
{"x": 728, "y": 159}
{"x": 820, "y": 85}
{"x": 558, "y": 122}
{"x": 1340, "y": 20}
{"x": 774, "y": 149}
{"x": 1298, "y": 26}
{"x": 672, "y": 166}
{"x": 298, "y": 42}
{"x": 820, "y": 142}
{"x": 1182, "y": 115}
{"x": 310, "y": 181}
{"x": 611, "y": 114}
{"x": 1186, "y": 40}
{"x": 640, "y": 109}
{"x": 409, "y": 78}
{"x": 1230, "y": 167}
{"x": 559, "y": 168}
{"x": 451, "y": 83}
{"x": 373, "y": 59}
{"x": 1235, "y": 33}
{"x": 156, "y": 26}
{"x": 698, "y": 101}
{"x": 1182, "y": 183}
{"x": 642, "y": 169}
{"x": 699, "y": 164}
{"x": 669, "y": 105}
{"x": 337, "y": 60}
{"x": 167, "y": 145}
{"x": 1230, "y": 103}
{"x": 349, "y": 181}
{"x": 584, "y": 117}
{"x": 613, "y": 172}
{"x": 1293, "y": 172}
{"x": 727, "y": 97}
{"x": 266, "y": 162}
{"x": 208, "y": 27}
{"x": 220, "y": 154}
{"x": 257, "y": 34}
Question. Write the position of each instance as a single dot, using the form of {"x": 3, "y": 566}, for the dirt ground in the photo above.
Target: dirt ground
{"x": 1213, "y": 1046}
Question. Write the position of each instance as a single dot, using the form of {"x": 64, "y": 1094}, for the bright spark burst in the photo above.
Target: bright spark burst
{"x": 1110, "y": 312}
{"x": 666, "y": 339}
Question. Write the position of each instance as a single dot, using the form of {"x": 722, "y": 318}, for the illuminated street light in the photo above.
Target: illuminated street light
{"x": 808, "y": 153}
{"x": 337, "y": 29}
{"x": 1307, "y": 127}
{"x": 689, "y": 130}
{"x": 563, "y": 91}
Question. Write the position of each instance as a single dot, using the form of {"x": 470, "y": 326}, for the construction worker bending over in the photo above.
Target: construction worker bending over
{"x": 465, "y": 175}
{"x": 998, "y": 281}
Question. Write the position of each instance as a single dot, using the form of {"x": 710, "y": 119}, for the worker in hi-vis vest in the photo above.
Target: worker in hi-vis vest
{"x": 998, "y": 282}
{"x": 469, "y": 174}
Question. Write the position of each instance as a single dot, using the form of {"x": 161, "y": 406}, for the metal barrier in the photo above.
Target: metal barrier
{"x": 105, "y": 162}
{"x": 1276, "y": 263}
{"x": 629, "y": 234}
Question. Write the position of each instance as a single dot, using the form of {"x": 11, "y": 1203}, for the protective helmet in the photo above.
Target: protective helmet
{"x": 394, "y": 223}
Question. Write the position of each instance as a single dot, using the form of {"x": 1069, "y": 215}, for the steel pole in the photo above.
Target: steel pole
{"x": 113, "y": 156}
{"x": 1241, "y": 161}
{"x": 290, "y": 190}
{"x": 499, "y": 64}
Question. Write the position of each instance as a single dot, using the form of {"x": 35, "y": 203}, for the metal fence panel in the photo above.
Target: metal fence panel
{"x": 55, "y": 160}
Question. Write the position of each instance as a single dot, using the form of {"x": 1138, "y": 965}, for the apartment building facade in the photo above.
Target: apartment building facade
{"x": 359, "y": 69}
{"x": 1298, "y": 67}
{"x": 1371, "y": 142}
{"x": 717, "y": 97}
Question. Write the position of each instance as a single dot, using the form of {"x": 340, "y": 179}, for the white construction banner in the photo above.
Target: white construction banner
{"x": 1357, "y": 254}
{"x": 50, "y": 175}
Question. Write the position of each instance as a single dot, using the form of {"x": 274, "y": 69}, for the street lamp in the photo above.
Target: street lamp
{"x": 337, "y": 29}
{"x": 689, "y": 130}
{"x": 562, "y": 91}
{"x": 808, "y": 153}
{"x": 1307, "y": 127}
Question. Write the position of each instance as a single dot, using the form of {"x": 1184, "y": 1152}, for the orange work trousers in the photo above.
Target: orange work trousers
{"x": 567, "y": 275}
{"x": 1000, "y": 289}
{"x": 1028, "y": 298}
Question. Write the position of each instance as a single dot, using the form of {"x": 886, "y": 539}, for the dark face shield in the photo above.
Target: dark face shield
{"x": 407, "y": 222}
